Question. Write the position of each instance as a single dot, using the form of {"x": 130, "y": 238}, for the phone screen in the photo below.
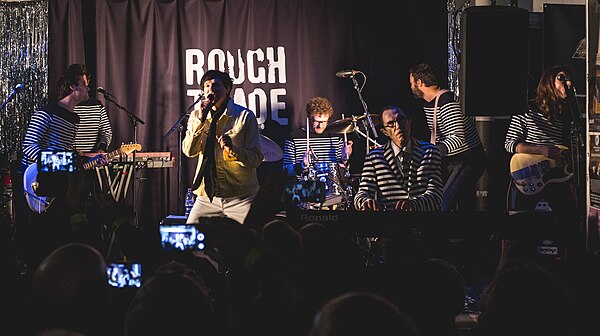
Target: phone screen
{"x": 56, "y": 161}
{"x": 124, "y": 274}
{"x": 305, "y": 191}
{"x": 181, "y": 237}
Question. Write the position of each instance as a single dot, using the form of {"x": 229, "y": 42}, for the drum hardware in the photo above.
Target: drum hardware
{"x": 350, "y": 125}
{"x": 338, "y": 193}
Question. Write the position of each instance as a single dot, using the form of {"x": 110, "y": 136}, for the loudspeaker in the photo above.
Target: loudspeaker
{"x": 492, "y": 186}
{"x": 493, "y": 60}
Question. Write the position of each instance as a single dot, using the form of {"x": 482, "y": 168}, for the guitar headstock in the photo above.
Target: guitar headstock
{"x": 128, "y": 148}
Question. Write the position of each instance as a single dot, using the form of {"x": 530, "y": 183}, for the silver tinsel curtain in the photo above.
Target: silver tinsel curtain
{"x": 24, "y": 48}
{"x": 455, "y": 11}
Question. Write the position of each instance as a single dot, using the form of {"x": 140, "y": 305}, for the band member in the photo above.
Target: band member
{"x": 52, "y": 127}
{"x": 226, "y": 139}
{"x": 324, "y": 148}
{"x": 545, "y": 130}
{"x": 454, "y": 134}
{"x": 94, "y": 133}
{"x": 319, "y": 155}
{"x": 403, "y": 174}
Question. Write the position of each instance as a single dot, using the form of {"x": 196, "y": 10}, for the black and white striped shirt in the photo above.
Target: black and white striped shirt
{"x": 94, "y": 132}
{"x": 382, "y": 180}
{"x": 50, "y": 128}
{"x": 326, "y": 146}
{"x": 532, "y": 127}
{"x": 454, "y": 129}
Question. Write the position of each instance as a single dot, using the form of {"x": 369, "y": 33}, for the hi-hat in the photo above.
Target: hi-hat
{"x": 271, "y": 151}
{"x": 348, "y": 125}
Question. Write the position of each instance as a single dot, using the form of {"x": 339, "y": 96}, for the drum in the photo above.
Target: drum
{"x": 334, "y": 177}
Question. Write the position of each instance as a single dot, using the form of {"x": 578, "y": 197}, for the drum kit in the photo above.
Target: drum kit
{"x": 336, "y": 178}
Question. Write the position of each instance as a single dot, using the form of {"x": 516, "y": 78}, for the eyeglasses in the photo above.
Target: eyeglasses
{"x": 396, "y": 122}
{"x": 320, "y": 122}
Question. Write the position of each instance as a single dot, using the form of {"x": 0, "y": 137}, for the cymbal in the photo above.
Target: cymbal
{"x": 271, "y": 151}
{"x": 348, "y": 125}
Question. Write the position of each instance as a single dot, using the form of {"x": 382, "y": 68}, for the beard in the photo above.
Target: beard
{"x": 417, "y": 92}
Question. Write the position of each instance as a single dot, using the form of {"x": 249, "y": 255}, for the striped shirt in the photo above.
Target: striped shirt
{"x": 50, "y": 128}
{"x": 326, "y": 146}
{"x": 94, "y": 131}
{"x": 382, "y": 180}
{"x": 532, "y": 127}
{"x": 454, "y": 129}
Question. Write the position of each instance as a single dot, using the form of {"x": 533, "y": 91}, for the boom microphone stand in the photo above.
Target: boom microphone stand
{"x": 367, "y": 121}
{"x": 17, "y": 88}
{"x": 577, "y": 143}
{"x": 178, "y": 125}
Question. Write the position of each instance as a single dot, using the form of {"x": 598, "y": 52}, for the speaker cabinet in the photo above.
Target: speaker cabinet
{"x": 493, "y": 60}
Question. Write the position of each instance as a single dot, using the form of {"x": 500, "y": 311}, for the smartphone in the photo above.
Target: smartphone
{"x": 181, "y": 237}
{"x": 57, "y": 161}
{"x": 123, "y": 274}
{"x": 53, "y": 168}
{"x": 305, "y": 191}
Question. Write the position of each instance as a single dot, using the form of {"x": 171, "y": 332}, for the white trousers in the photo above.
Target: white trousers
{"x": 233, "y": 207}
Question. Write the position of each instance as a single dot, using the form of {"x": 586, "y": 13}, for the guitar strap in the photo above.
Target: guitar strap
{"x": 434, "y": 124}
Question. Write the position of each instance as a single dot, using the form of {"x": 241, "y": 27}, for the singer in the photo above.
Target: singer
{"x": 546, "y": 130}
{"x": 226, "y": 139}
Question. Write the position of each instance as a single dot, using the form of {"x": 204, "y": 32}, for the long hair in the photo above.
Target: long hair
{"x": 547, "y": 97}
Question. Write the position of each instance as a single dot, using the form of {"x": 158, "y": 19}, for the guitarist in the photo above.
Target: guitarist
{"x": 545, "y": 129}
{"x": 51, "y": 127}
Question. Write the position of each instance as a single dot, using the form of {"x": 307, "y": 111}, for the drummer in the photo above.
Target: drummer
{"x": 304, "y": 149}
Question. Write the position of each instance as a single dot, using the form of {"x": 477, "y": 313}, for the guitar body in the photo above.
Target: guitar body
{"x": 40, "y": 204}
{"x": 36, "y": 203}
{"x": 532, "y": 172}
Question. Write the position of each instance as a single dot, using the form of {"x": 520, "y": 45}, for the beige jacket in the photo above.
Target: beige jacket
{"x": 236, "y": 171}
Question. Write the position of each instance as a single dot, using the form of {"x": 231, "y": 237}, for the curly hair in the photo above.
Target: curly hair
{"x": 426, "y": 73}
{"x": 547, "y": 97}
{"x": 319, "y": 105}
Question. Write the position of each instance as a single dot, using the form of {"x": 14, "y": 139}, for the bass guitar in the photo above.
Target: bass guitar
{"x": 532, "y": 172}
{"x": 40, "y": 204}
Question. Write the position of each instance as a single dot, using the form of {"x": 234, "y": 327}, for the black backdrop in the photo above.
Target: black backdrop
{"x": 137, "y": 51}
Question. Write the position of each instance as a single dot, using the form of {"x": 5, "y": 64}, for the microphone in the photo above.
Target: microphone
{"x": 104, "y": 92}
{"x": 346, "y": 73}
{"x": 19, "y": 87}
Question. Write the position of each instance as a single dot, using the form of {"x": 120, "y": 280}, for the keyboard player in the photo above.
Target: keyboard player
{"x": 403, "y": 174}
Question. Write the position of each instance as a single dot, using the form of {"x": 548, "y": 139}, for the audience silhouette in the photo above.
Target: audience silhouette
{"x": 361, "y": 314}
{"x": 69, "y": 291}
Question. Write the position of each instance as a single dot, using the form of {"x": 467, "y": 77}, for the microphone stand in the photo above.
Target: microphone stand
{"x": 367, "y": 122}
{"x": 577, "y": 145}
{"x": 179, "y": 126}
{"x": 134, "y": 120}
{"x": 9, "y": 98}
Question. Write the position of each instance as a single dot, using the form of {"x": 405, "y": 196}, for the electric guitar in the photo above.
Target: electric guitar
{"x": 40, "y": 204}
{"x": 532, "y": 172}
